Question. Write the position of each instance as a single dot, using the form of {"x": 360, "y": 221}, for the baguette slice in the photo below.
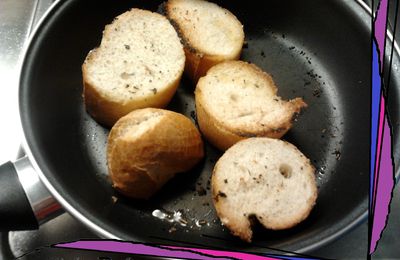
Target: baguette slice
{"x": 139, "y": 64}
{"x": 237, "y": 100}
{"x": 148, "y": 147}
{"x": 266, "y": 179}
{"x": 211, "y": 34}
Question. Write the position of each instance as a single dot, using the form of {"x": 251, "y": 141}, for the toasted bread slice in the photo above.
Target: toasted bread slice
{"x": 237, "y": 100}
{"x": 263, "y": 178}
{"x": 210, "y": 34}
{"x": 148, "y": 147}
{"x": 139, "y": 64}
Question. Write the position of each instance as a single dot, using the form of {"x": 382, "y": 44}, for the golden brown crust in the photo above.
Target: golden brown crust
{"x": 102, "y": 110}
{"x": 197, "y": 63}
{"x": 108, "y": 112}
{"x": 140, "y": 165}
{"x": 214, "y": 132}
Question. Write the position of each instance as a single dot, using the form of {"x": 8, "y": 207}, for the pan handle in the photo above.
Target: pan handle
{"x": 25, "y": 202}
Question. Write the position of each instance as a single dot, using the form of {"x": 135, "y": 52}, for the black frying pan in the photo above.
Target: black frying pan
{"x": 319, "y": 50}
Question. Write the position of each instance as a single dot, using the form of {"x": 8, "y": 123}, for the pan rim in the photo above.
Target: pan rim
{"x": 102, "y": 232}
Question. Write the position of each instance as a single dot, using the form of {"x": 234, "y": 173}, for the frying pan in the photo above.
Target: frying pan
{"x": 318, "y": 50}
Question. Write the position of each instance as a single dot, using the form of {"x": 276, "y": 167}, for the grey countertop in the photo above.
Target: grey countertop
{"x": 17, "y": 19}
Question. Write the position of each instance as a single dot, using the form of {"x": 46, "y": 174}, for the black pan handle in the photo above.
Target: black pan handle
{"x": 25, "y": 202}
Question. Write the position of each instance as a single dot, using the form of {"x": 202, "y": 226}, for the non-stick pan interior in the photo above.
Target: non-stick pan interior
{"x": 318, "y": 50}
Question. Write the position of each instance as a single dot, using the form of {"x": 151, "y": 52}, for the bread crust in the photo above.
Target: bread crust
{"x": 222, "y": 135}
{"x": 215, "y": 132}
{"x": 139, "y": 165}
{"x": 107, "y": 110}
{"x": 239, "y": 221}
{"x": 199, "y": 61}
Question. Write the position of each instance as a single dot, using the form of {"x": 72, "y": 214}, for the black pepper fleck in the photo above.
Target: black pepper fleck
{"x": 337, "y": 154}
{"x": 221, "y": 194}
{"x": 201, "y": 191}
{"x": 317, "y": 92}
{"x": 193, "y": 115}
